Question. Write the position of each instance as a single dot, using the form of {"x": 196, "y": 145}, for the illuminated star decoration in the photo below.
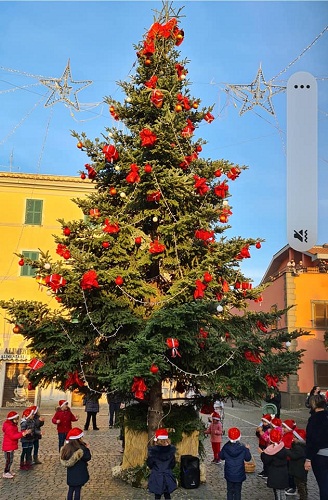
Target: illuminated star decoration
{"x": 258, "y": 93}
{"x": 63, "y": 90}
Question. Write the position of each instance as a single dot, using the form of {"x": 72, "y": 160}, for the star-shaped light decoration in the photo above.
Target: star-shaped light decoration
{"x": 258, "y": 93}
{"x": 63, "y": 89}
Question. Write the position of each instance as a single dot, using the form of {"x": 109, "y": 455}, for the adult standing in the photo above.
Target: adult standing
{"x": 114, "y": 400}
{"x": 91, "y": 402}
{"x": 313, "y": 392}
{"x": 317, "y": 444}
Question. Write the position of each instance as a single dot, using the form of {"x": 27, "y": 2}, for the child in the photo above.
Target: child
{"x": 262, "y": 432}
{"x": 161, "y": 461}
{"x": 297, "y": 455}
{"x": 38, "y": 423}
{"x": 215, "y": 430}
{"x": 11, "y": 435}
{"x": 74, "y": 456}
{"x": 63, "y": 418}
{"x": 235, "y": 454}
{"x": 27, "y": 423}
{"x": 274, "y": 457}
{"x": 287, "y": 437}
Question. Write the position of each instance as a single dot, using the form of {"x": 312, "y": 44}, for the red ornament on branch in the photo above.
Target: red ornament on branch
{"x": 173, "y": 344}
{"x": 206, "y": 236}
{"x": 94, "y": 213}
{"x": 261, "y": 326}
{"x": 138, "y": 241}
{"x": 148, "y": 168}
{"x": 252, "y": 357}
{"x": 89, "y": 280}
{"x": 111, "y": 228}
{"x": 21, "y": 262}
{"x": 133, "y": 176}
{"x": 272, "y": 380}
{"x": 35, "y": 364}
{"x": 188, "y": 130}
{"x": 139, "y": 387}
{"x": 207, "y": 277}
{"x": 66, "y": 231}
{"x": 200, "y": 185}
{"x": 73, "y": 379}
{"x": 200, "y": 289}
{"x": 151, "y": 83}
{"x": 110, "y": 152}
{"x": 91, "y": 171}
{"x": 119, "y": 281}
{"x": 221, "y": 190}
{"x": 154, "y": 368}
{"x": 148, "y": 138}
{"x": 208, "y": 117}
{"x": 157, "y": 98}
{"x": 154, "y": 196}
{"x": 156, "y": 247}
{"x": 55, "y": 281}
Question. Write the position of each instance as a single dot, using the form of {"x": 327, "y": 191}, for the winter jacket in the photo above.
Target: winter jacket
{"x": 91, "y": 403}
{"x": 215, "y": 430}
{"x": 161, "y": 461}
{"x": 11, "y": 435}
{"x": 262, "y": 432}
{"x": 77, "y": 467}
{"x": 235, "y": 454}
{"x": 274, "y": 459}
{"x": 66, "y": 418}
{"x": 38, "y": 424}
{"x": 27, "y": 423}
{"x": 316, "y": 433}
{"x": 296, "y": 463}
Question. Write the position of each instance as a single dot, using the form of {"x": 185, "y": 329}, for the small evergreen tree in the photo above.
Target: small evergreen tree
{"x": 149, "y": 288}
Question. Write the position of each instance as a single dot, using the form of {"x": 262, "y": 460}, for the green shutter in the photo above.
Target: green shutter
{"x": 27, "y": 270}
{"x": 33, "y": 212}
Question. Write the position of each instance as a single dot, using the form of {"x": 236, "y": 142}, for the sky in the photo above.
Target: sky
{"x": 225, "y": 43}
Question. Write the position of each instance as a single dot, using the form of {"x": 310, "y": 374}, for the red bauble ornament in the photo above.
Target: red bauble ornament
{"x": 119, "y": 281}
{"x": 59, "y": 299}
{"x": 21, "y": 262}
{"x": 105, "y": 244}
{"x": 138, "y": 240}
{"x": 16, "y": 329}
{"x": 113, "y": 191}
{"x": 147, "y": 62}
{"x": 223, "y": 218}
{"x": 195, "y": 105}
{"x": 83, "y": 176}
{"x": 66, "y": 231}
{"x": 154, "y": 369}
{"x": 258, "y": 245}
{"x": 67, "y": 254}
{"x": 79, "y": 145}
{"x": 178, "y": 108}
{"x": 207, "y": 277}
{"x": 148, "y": 168}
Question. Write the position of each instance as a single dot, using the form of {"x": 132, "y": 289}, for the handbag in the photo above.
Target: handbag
{"x": 250, "y": 466}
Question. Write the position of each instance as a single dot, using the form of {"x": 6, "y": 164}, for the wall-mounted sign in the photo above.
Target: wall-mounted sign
{"x": 15, "y": 354}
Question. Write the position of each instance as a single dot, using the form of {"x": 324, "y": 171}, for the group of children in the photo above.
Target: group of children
{"x": 74, "y": 452}
{"x": 30, "y": 433}
{"x": 283, "y": 453}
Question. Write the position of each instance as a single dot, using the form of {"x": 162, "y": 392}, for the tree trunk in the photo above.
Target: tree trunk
{"x": 155, "y": 410}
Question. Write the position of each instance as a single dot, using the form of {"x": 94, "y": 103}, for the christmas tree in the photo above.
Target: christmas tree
{"x": 148, "y": 287}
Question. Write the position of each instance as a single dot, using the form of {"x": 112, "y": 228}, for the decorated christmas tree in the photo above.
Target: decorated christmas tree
{"x": 149, "y": 288}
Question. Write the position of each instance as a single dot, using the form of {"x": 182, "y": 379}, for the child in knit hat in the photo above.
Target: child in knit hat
{"x": 27, "y": 423}
{"x": 63, "y": 418}
{"x": 235, "y": 454}
{"x": 11, "y": 435}
{"x": 274, "y": 458}
{"x": 297, "y": 455}
{"x": 287, "y": 437}
{"x": 75, "y": 455}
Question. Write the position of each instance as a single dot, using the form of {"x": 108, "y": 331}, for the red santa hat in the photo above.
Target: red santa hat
{"x": 266, "y": 418}
{"x": 34, "y": 409}
{"x": 290, "y": 424}
{"x": 27, "y": 412}
{"x": 234, "y": 434}
{"x": 161, "y": 434}
{"x": 216, "y": 416}
{"x": 275, "y": 436}
{"x": 300, "y": 434}
{"x": 74, "y": 433}
{"x": 12, "y": 415}
{"x": 63, "y": 402}
{"x": 276, "y": 422}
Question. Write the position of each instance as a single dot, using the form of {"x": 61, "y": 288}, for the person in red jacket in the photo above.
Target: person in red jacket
{"x": 63, "y": 418}
{"x": 11, "y": 435}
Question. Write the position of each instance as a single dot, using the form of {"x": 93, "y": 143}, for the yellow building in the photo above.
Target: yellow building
{"x": 30, "y": 206}
{"x": 299, "y": 281}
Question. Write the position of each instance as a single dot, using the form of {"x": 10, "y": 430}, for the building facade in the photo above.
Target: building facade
{"x": 30, "y": 208}
{"x": 299, "y": 281}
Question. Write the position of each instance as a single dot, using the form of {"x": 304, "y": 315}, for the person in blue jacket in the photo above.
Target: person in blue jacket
{"x": 235, "y": 454}
{"x": 75, "y": 456}
{"x": 161, "y": 461}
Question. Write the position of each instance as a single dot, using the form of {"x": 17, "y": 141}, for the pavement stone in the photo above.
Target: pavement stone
{"x": 47, "y": 481}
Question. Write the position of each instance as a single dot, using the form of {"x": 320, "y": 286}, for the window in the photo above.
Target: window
{"x": 33, "y": 212}
{"x": 320, "y": 314}
{"x": 321, "y": 373}
{"x": 27, "y": 270}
